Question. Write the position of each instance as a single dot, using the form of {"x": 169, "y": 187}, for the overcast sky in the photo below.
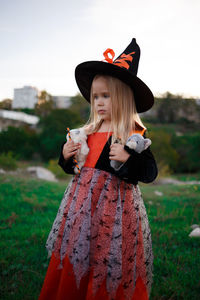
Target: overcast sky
{"x": 42, "y": 41}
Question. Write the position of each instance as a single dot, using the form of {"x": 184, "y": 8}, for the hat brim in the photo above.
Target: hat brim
{"x": 86, "y": 71}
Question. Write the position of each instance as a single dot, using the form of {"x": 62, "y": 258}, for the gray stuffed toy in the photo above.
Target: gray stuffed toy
{"x": 136, "y": 142}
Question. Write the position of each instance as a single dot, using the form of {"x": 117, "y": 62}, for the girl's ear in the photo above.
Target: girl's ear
{"x": 147, "y": 143}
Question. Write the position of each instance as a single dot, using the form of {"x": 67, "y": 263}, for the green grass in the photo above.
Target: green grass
{"x": 176, "y": 256}
{"x": 187, "y": 177}
{"x": 28, "y": 208}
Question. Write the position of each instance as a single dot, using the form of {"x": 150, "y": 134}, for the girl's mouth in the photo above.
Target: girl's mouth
{"x": 101, "y": 111}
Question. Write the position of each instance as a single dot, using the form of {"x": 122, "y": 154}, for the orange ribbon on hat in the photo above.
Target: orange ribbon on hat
{"x": 107, "y": 58}
{"x": 121, "y": 61}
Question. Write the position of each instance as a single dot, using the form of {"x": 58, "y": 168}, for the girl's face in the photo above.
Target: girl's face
{"x": 101, "y": 98}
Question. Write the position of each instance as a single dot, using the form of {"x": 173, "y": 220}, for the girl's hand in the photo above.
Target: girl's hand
{"x": 70, "y": 148}
{"x": 118, "y": 153}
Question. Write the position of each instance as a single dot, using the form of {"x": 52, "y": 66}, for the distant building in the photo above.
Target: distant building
{"x": 28, "y": 97}
{"x": 16, "y": 119}
{"x": 198, "y": 101}
{"x": 25, "y": 97}
{"x": 61, "y": 101}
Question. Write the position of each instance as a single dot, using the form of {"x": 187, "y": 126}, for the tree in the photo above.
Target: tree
{"x": 175, "y": 109}
{"x": 6, "y": 104}
{"x": 44, "y": 105}
{"x": 80, "y": 106}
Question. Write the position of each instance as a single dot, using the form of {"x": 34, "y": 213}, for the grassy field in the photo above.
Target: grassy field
{"x": 28, "y": 208}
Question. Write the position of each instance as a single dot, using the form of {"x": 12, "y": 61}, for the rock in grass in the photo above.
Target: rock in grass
{"x": 195, "y": 232}
{"x": 193, "y": 226}
{"x": 158, "y": 193}
{"x": 42, "y": 173}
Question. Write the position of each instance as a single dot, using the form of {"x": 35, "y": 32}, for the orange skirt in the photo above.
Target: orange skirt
{"x": 60, "y": 284}
{"x": 100, "y": 242}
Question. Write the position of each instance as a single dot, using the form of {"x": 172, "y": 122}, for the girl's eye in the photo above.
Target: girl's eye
{"x": 95, "y": 97}
{"x": 106, "y": 95}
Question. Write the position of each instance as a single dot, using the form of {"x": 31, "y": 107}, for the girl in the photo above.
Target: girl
{"x": 100, "y": 242}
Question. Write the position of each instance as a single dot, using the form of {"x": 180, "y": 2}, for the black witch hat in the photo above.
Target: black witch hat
{"x": 124, "y": 68}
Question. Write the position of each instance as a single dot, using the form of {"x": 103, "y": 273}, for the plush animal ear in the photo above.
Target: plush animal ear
{"x": 67, "y": 137}
{"x": 147, "y": 143}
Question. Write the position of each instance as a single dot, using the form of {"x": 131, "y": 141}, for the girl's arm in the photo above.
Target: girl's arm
{"x": 138, "y": 167}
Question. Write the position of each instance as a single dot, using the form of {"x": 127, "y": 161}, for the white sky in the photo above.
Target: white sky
{"x": 42, "y": 41}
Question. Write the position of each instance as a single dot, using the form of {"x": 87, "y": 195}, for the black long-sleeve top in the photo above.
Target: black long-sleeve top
{"x": 138, "y": 167}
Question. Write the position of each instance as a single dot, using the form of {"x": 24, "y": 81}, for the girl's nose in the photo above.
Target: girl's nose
{"x": 100, "y": 101}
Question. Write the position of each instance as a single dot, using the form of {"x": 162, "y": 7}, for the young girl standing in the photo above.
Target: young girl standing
{"x": 100, "y": 242}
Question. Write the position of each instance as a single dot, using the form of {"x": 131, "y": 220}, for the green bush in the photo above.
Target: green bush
{"x": 56, "y": 169}
{"x": 53, "y": 131}
{"x": 163, "y": 169}
{"x": 178, "y": 154}
{"x": 20, "y": 141}
{"x": 165, "y": 154}
{"x": 50, "y": 145}
{"x": 8, "y": 161}
{"x": 188, "y": 149}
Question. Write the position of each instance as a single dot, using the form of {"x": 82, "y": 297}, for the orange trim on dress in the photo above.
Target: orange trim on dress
{"x": 96, "y": 142}
{"x": 61, "y": 282}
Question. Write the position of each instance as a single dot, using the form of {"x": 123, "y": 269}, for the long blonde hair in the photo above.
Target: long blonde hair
{"x": 123, "y": 111}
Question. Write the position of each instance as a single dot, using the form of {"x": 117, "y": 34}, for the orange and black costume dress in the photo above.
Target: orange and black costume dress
{"x": 100, "y": 242}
